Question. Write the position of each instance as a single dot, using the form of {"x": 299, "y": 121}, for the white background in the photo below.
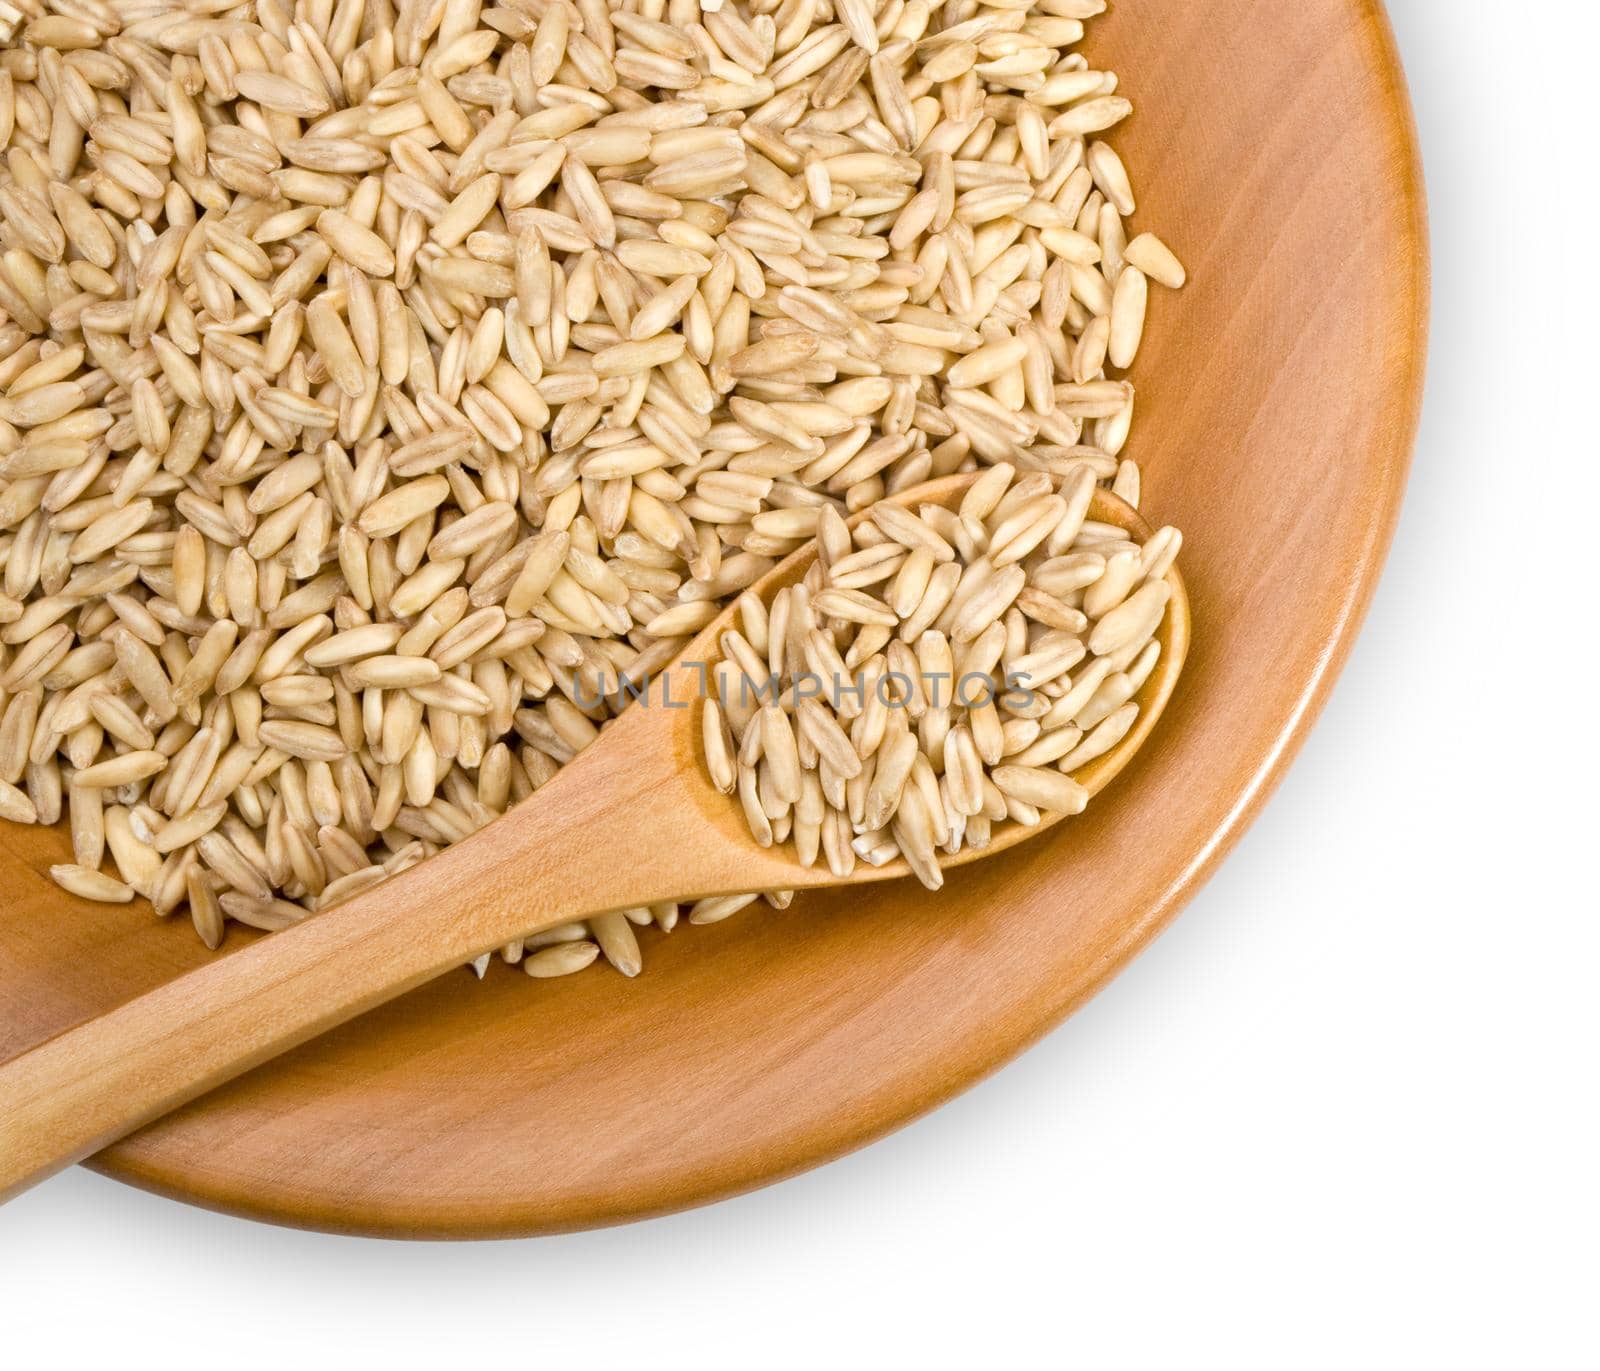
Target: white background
{"x": 1342, "y": 1113}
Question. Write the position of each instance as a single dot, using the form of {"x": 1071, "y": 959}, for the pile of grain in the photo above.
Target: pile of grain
{"x": 378, "y": 384}
{"x": 937, "y": 672}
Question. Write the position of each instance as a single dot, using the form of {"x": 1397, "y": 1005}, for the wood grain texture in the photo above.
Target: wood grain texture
{"x": 633, "y": 820}
{"x": 1272, "y": 146}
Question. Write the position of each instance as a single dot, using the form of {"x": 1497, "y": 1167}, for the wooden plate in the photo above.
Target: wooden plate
{"x": 1278, "y": 397}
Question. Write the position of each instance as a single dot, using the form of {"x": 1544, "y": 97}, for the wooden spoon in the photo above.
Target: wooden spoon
{"x": 632, "y": 821}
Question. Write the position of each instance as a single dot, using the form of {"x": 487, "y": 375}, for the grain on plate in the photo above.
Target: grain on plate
{"x": 379, "y": 383}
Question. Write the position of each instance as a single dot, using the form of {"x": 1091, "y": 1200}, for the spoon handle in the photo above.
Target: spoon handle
{"x": 617, "y": 828}
{"x": 87, "y": 1087}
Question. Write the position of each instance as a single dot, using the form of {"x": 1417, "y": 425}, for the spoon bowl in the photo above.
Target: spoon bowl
{"x": 1094, "y": 776}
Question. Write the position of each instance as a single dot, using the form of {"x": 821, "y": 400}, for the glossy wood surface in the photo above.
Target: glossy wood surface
{"x": 1278, "y": 393}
